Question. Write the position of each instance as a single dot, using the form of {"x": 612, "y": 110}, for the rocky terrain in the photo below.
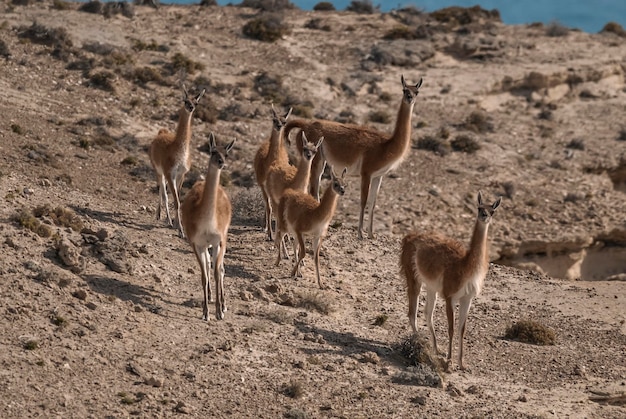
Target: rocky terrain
{"x": 101, "y": 303}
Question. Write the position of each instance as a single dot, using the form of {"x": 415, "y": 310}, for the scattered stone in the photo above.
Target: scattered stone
{"x": 370, "y": 358}
{"x": 91, "y": 305}
{"x": 69, "y": 253}
{"x": 154, "y": 382}
{"x": 453, "y": 390}
{"x": 181, "y": 407}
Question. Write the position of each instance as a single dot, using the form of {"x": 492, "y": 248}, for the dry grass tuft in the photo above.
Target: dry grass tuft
{"x": 315, "y": 301}
{"x": 530, "y": 331}
{"x": 614, "y": 27}
{"x": 294, "y": 389}
{"x": 362, "y": 7}
{"x": 425, "y": 368}
{"x": 465, "y": 144}
{"x": 433, "y": 144}
{"x": 324, "y": 6}
{"x": 269, "y": 27}
{"x": 25, "y": 218}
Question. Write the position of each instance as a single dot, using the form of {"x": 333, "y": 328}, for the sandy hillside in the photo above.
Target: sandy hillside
{"x": 101, "y": 303}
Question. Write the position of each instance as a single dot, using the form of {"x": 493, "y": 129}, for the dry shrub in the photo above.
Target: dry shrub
{"x": 455, "y": 15}
{"x": 478, "y": 122}
{"x": 99, "y": 48}
{"x": 364, "y": 7}
{"x": 102, "y": 80}
{"x": 93, "y": 6}
{"x": 208, "y": 3}
{"x": 614, "y": 27}
{"x": 248, "y": 207}
{"x": 25, "y": 218}
{"x": 267, "y": 5}
{"x": 269, "y": 27}
{"x": 530, "y": 331}
{"x": 433, "y": 144}
{"x": 208, "y": 112}
{"x": 58, "y": 38}
{"x": 317, "y": 24}
{"x": 61, "y": 5}
{"x": 324, "y": 6}
{"x": 400, "y": 32}
{"x": 465, "y": 144}
{"x": 380, "y": 117}
{"x": 315, "y": 301}
{"x": 180, "y": 62}
{"x": 118, "y": 7}
{"x": 622, "y": 135}
{"x": 293, "y": 389}
{"x": 425, "y": 368}
{"x": 145, "y": 74}
{"x": 139, "y": 45}
{"x": 556, "y": 29}
{"x": 271, "y": 88}
{"x": 63, "y": 217}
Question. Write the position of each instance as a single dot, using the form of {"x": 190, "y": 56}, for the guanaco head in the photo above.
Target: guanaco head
{"x": 218, "y": 154}
{"x": 190, "y": 104}
{"x": 309, "y": 149}
{"x": 410, "y": 92}
{"x": 279, "y": 121}
{"x": 338, "y": 183}
{"x": 485, "y": 211}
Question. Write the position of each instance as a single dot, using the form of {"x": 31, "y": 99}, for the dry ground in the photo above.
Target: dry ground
{"x": 119, "y": 333}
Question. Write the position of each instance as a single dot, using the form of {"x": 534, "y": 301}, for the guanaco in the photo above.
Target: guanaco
{"x": 169, "y": 155}
{"x": 206, "y": 214}
{"x": 446, "y": 267}
{"x": 365, "y": 151}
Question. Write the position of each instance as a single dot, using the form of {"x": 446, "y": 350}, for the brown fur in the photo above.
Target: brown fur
{"x": 169, "y": 155}
{"x": 348, "y": 144}
{"x": 206, "y": 214}
{"x": 448, "y": 268}
{"x": 300, "y": 214}
{"x": 271, "y": 151}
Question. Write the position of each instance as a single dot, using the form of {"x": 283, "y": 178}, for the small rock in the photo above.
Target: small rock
{"x": 69, "y": 254}
{"x": 102, "y": 234}
{"x": 28, "y": 191}
{"x": 135, "y": 369}
{"x": 245, "y": 295}
{"x": 91, "y": 306}
{"x": 46, "y": 182}
{"x": 154, "y": 382}
{"x": 181, "y": 407}
{"x": 522, "y": 398}
{"x": 370, "y": 358}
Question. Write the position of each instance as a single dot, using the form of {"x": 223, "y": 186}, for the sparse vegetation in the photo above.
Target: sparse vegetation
{"x": 324, "y": 6}
{"x": 57, "y": 38}
{"x": 622, "y": 135}
{"x": 478, "y": 122}
{"x": 58, "y": 320}
{"x": 4, "y": 49}
{"x": 180, "y": 62}
{"x": 61, "y": 5}
{"x": 530, "y": 331}
{"x": 25, "y": 218}
{"x": 93, "y": 6}
{"x": 139, "y": 45}
{"x": 380, "y": 117}
{"x": 16, "y": 128}
{"x": 433, "y": 144}
{"x": 362, "y": 7}
{"x": 465, "y": 143}
{"x": 267, "y": 5}
{"x": 293, "y": 389}
{"x": 509, "y": 189}
{"x": 400, "y": 32}
{"x": 315, "y": 301}
{"x": 380, "y": 320}
{"x": 103, "y": 80}
{"x": 31, "y": 345}
{"x": 317, "y": 24}
{"x": 269, "y": 27}
{"x": 615, "y": 28}
{"x": 60, "y": 216}
{"x": 555, "y": 29}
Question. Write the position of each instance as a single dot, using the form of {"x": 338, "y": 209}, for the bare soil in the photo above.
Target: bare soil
{"x": 101, "y": 312}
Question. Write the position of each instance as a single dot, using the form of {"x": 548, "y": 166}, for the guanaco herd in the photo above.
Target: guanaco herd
{"x": 291, "y": 196}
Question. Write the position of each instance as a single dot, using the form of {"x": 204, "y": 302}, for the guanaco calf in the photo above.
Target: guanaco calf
{"x": 169, "y": 155}
{"x": 370, "y": 153}
{"x": 283, "y": 176}
{"x": 300, "y": 214}
{"x": 446, "y": 267}
{"x": 206, "y": 214}
{"x": 272, "y": 150}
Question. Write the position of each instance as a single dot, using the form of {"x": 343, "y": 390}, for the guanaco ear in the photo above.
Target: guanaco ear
{"x": 186, "y": 93}
{"x": 273, "y": 111}
{"x": 229, "y": 146}
{"x": 496, "y": 204}
{"x": 419, "y": 83}
{"x": 319, "y": 142}
{"x": 212, "y": 145}
{"x": 304, "y": 139}
{"x": 288, "y": 113}
{"x": 480, "y": 199}
{"x": 402, "y": 80}
{"x": 200, "y": 95}
{"x": 332, "y": 172}
{"x": 343, "y": 173}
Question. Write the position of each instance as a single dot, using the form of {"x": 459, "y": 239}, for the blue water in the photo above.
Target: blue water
{"x": 586, "y": 15}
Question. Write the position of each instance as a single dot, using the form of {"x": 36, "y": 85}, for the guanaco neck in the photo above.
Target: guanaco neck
{"x": 209, "y": 196}
{"x": 183, "y": 129}
{"x": 400, "y": 139}
{"x": 478, "y": 254}
{"x": 276, "y": 142}
{"x": 301, "y": 180}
